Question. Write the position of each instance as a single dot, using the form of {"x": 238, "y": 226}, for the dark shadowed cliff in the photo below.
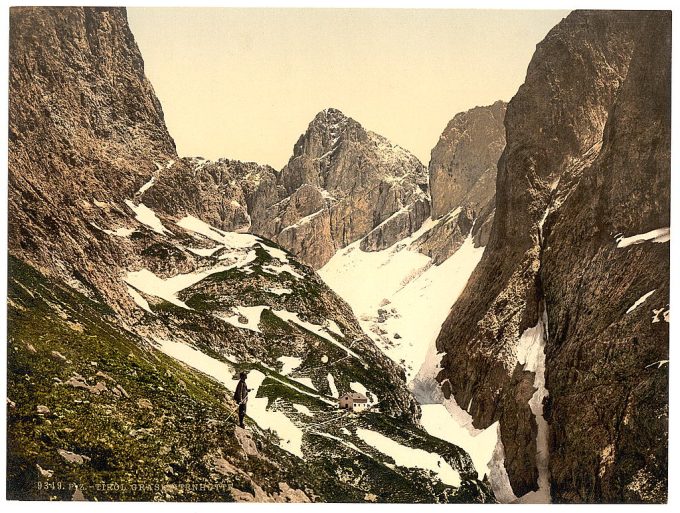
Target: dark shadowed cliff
{"x": 557, "y": 324}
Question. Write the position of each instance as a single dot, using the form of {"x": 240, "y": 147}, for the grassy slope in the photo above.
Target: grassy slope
{"x": 177, "y": 440}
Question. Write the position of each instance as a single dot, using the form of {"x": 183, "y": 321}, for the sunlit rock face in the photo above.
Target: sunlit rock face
{"x": 343, "y": 183}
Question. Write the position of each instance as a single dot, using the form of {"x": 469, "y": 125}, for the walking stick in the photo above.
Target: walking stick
{"x": 234, "y": 410}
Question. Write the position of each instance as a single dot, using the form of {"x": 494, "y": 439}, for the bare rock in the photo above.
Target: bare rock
{"x": 463, "y": 163}
{"x": 341, "y": 184}
{"x": 144, "y": 403}
{"x": 105, "y": 376}
{"x": 246, "y": 441}
{"x": 78, "y": 381}
{"x": 72, "y": 457}
{"x": 47, "y": 474}
{"x": 586, "y": 158}
{"x": 288, "y": 494}
{"x": 58, "y": 356}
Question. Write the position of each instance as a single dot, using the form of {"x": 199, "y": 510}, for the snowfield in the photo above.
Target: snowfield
{"x": 414, "y": 296}
{"x": 479, "y": 444}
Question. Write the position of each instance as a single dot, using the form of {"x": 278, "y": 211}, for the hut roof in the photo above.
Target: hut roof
{"x": 356, "y": 397}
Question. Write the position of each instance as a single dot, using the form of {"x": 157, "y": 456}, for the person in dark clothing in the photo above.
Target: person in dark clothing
{"x": 241, "y": 398}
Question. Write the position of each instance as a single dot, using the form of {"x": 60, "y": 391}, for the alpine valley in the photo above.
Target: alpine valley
{"x": 504, "y": 309}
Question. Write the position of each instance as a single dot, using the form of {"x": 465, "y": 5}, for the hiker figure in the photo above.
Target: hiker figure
{"x": 241, "y": 398}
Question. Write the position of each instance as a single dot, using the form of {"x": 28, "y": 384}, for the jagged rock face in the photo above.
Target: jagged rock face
{"x": 463, "y": 163}
{"x": 606, "y": 366}
{"x": 447, "y": 236}
{"x": 552, "y": 273}
{"x": 462, "y": 175}
{"x": 341, "y": 184}
{"x": 217, "y": 192}
{"x": 84, "y": 126}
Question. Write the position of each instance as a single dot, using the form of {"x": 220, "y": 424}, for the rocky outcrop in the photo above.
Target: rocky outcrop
{"x": 343, "y": 183}
{"x": 462, "y": 175}
{"x": 85, "y": 129}
{"x": 607, "y": 350}
{"x": 212, "y": 191}
{"x": 463, "y": 163}
{"x": 545, "y": 338}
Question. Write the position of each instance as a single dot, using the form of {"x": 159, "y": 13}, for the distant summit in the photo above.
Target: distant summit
{"x": 342, "y": 183}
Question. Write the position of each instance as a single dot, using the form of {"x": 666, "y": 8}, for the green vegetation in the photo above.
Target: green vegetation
{"x": 146, "y": 443}
{"x": 143, "y": 426}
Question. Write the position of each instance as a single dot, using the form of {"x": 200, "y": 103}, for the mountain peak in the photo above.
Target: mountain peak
{"x": 330, "y": 118}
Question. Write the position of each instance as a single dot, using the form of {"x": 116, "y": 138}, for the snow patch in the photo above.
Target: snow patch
{"x": 250, "y": 313}
{"x": 204, "y": 252}
{"x": 118, "y": 232}
{"x": 146, "y": 186}
{"x": 320, "y": 331}
{"x": 305, "y": 220}
{"x": 275, "y": 252}
{"x": 409, "y": 457}
{"x": 232, "y": 240}
{"x": 659, "y": 235}
{"x": 137, "y": 297}
{"x": 279, "y": 291}
{"x": 301, "y": 408}
{"x": 640, "y": 301}
{"x": 659, "y": 314}
{"x": 147, "y": 217}
{"x": 283, "y": 268}
{"x": 331, "y": 385}
{"x": 304, "y": 381}
{"x": 658, "y": 364}
{"x": 361, "y": 389}
{"x": 290, "y": 363}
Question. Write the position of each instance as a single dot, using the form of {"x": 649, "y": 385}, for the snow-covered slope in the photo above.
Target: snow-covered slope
{"x": 400, "y": 297}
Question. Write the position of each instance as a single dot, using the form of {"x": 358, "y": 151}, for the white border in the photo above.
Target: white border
{"x": 422, "y": 4}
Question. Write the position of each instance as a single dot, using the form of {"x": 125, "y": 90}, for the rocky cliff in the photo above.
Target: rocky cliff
{"x": 84, "y": 128}
{"x": 562, "y": 331}
{"x": 343, "y": 183}
{"x": 134, "y": 299}
{"x": 462, "y": 174}
{"x": 463, "y": 162}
